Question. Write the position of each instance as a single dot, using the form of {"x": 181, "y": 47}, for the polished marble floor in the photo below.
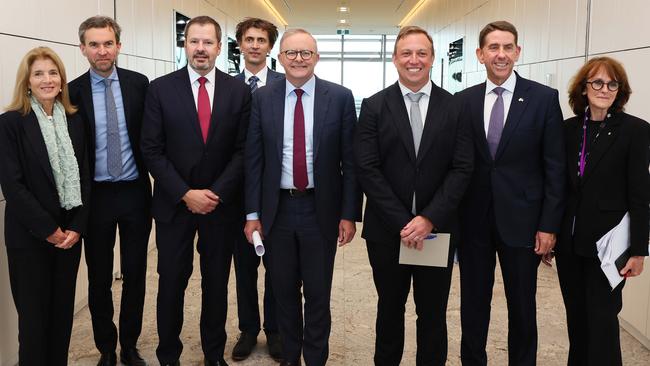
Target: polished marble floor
{"x": 353, "y": 317}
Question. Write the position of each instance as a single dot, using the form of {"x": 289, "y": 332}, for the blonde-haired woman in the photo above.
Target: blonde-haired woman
{"x": 45, "y": 181}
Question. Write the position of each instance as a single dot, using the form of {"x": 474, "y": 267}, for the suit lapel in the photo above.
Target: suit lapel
{"x": 431, "y": 126}
{"x": 607, "y": 136}
{"x": 33, "y": 132}
{"x": 187, "y": 101}
{"x": 321, "y": 103}
{"x": 518, "y": 105}
{"x": 477, "y": 106}
{"x": 87, "y": 100}
{"x": 572, "y": 152}
{"x": 220, "y": 103}
{"x": 278, "y": 99}
{"x": 395, "y": 102}
{"x": 125, "y": 88}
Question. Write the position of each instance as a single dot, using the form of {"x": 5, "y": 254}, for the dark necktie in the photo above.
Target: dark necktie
{"x": 252, "y": 83}
{"x": 113, "y": 144}
{"x": 299, "y": 154}
{"x": 204, "y": 108}
{"x": 496, "y": 122}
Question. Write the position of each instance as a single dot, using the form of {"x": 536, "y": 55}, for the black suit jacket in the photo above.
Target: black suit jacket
{"x": 173, "y": 147}
{"x": 389, "y": 171}
{"x": 134, "y": 90}
{"x": 616, "y": 181}
{"x": 337, "y": 194}
{"x": 525, "y": 182}
{"x": 33, "y": 210}
{"x": 271, "y": 76}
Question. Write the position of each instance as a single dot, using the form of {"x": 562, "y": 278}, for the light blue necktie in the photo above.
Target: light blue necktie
{"x": 416, "y": 129}
{"x": 113, "y": 144}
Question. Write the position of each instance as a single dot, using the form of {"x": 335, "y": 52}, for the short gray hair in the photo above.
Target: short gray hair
{"x": 293, "y": 31}
{"x": 99, "y": 21}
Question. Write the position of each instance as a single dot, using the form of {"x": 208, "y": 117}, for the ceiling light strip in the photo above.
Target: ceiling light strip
{"x": 275, "y": 12}
{"x": 412, "y": 13}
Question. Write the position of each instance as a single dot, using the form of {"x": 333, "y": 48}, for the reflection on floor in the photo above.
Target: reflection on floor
{"x": 353, "y": 318}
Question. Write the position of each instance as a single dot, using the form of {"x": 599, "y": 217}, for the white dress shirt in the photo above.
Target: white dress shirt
{"x": 260, "y": 75}
{"x": 424, "y": 100}
{"x": 491, "y": 97}
{"x": 209, "y": 85}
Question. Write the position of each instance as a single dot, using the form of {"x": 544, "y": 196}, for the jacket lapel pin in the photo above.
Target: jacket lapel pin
{"x": 521, "y": 99}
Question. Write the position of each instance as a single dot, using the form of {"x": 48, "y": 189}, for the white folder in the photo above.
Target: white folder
{"x": 435, "y": 252}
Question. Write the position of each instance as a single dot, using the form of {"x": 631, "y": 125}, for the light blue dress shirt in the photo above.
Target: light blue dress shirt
{"x": 129, "y": 169}
{"x": 290, "y": 98}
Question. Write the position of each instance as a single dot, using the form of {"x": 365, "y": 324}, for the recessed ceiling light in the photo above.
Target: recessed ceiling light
{"x": 343, "y": 21}
{"x": 343, "y": 9}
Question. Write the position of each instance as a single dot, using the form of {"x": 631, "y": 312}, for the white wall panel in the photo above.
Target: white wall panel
{"x": 143, "y": 20}
{"x": 163, "y": 30}
{"x": 125, "y": 18}
{"x": 636, "y": 65}
{"x": 619, "y": 25}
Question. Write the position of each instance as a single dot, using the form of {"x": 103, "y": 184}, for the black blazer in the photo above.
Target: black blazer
{"x": 337, "y": 194}
{"x": 525, "y": 183}
{"x": 616, "y": 181}
{"x": 271, "y": 76}
{"x": 174, "y": 151}
{"x": 389, "y": 171}
{"x": 134, "y": 90}
{"x": 33, "y": 211}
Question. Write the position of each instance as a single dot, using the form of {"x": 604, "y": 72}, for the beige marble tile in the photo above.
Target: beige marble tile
{"x": 353, "y": 321}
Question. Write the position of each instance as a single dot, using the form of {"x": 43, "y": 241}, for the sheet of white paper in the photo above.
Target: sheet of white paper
{"x": 435, "y": 252}
{"x": 611, "y": 246}
{"x": 259, "y": 245}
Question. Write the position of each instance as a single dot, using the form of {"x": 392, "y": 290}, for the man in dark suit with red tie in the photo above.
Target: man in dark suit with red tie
{"x": 193, "y": 140}
{"x": 301, "y": 192}
{"x": 515, "y": 199}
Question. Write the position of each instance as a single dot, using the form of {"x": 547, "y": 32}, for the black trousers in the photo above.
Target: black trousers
{"x": 591, "y": 310}
{"x": 175, "y": 243}
{"x": 430, "y": 293}
{"x": 246, "y": 264}
{"x": 43, "y": 282}
{"x": 124, "y": 205}
{"x": 519, "y": 265}
{"x": 300, "y": 255}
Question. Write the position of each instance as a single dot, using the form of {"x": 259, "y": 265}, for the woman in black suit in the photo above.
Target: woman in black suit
{"x": 44, "y": 178}
{"x": 607, "y": 160}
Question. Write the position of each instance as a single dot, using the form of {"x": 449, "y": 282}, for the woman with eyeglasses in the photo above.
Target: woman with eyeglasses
{"x": 45, "y": 181}
{"x": 607, "y": 160}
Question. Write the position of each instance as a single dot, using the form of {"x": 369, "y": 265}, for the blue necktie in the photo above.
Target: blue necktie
{"x": 113, "y": 144}
{"x": 496, "y": 122}
{"x": 252, "y": 83}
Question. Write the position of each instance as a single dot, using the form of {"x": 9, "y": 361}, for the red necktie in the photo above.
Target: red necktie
{"x": 299, "y": 155}
{"x": 204, "y": 108}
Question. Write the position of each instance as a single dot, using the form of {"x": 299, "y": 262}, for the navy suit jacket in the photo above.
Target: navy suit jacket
{"x": 271, "y": 76}
{"x": 389, "y": 171}
{"x": 174, "y": 151}
{"x": 134, "y": 90}
{"x": 525, "y": 182}
{"x": 337, "y": 194}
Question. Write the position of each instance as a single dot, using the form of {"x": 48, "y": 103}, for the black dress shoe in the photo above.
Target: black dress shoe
{"x": 107, "y": 359}
{"x": 287, "y": 363}
{"x": 275, "y": 346}
{"x": 175, "y": 363}
{"x": 220, "y": 362}
{"x": 244, "y": 346}
{"x": 131, "y": 357}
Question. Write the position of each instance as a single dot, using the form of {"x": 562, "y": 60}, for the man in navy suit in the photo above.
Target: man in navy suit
{"x": 256, "y": 38}
{"x": 121, "y": 192}
{"x": 514, "y": 202}
{"x": 193, "y": 143}
{"x": 301, "y": 192}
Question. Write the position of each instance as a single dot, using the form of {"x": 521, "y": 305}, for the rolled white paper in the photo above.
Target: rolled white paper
{"x": 257, "y": 243}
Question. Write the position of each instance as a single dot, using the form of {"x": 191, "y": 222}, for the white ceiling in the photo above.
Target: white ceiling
{"x": 364, "y": 17}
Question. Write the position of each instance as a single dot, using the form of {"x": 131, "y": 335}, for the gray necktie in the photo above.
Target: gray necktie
{"x": 416, "y": 119}
{"x": 496, "y": 122}
{"x": 113, "y": 144}
{"x": 252, "y": 83}
{"x": 416, "y": 129}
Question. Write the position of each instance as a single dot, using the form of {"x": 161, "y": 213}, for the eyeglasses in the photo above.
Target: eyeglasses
{"x": 598, "y": 84}
{"x": 304, "y": 54}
